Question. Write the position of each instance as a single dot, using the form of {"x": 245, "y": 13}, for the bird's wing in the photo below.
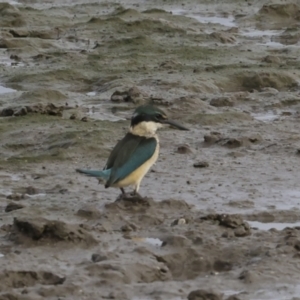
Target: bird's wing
{"x": 129, "y": 154}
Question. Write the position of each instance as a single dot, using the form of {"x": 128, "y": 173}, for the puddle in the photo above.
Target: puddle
{"x": 10, "y": 2}
{"x": 1, "y": 255}
{"x": 36, "y": 195}
{"x": 274, "y": 44}
{"x": 152, "y": 241}
{"x": 265, "y": 117}
{"x": 5, "y": 90}
{"x": 268, "y": 226}
{"x": 98, "y": 112}
{"x": 91, "y": 94}
{"x": 260, "y": 33}
{"x": 224, "y": 21}
{"x": 13, "y": 177}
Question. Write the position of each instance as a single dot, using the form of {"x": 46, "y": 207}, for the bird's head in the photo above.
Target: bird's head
{"x": 150, "y": 118}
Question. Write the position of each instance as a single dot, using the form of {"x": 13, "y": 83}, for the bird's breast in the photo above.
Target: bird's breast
{"x": 137, "y": 175}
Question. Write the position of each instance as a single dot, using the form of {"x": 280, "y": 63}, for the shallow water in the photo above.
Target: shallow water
{"x": 260, "y": 33}
{"x": 152, "y": 241}
{"x": 265, "y": 117}
{"x": 224, "y": 21}
{"x": 268, "y": 226}
{"x": 5, "y": 90}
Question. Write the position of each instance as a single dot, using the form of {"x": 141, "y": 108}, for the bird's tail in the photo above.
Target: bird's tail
{"x": 96, "y": 173}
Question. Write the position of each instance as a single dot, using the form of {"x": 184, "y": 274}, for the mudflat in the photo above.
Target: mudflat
{"x": 220, "y": 215}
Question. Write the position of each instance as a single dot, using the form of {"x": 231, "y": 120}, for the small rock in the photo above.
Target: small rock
{"x": 176, "y": 241}
{"x": 201, "y": 164}
{"x": 16, "y": 197}
{"x": 118, "y": 97}
{"x": 241, "y": 231}
{"x": 39, "y": 228}
{"x": 7, "y": 112}
{"x": 233, "y": 143}
{"x": 271, "y": 59}
{"x": 126, "y": 228}
{"x": 233, "y": 221}
{"x": 180, "y": 221}
{"x": 21, "y": 112}
{"x": 222, "y": 266}
{"x": 212, "y": 138}
{"x": 247, "y": 276}
{"x": 221, "y": 101}
{"x": 89, "y": 212}
{"x": 184, "y": 149}
{"x": 30, "y": 190}
{"x": 84, "y": 119}
{"x": 297, "y": 245}
{"x": 228, "y": 234}
{"x": 286, "y": 113}
{"x": 223, "y": 37}
{"x": 132, "y": 95}
{"x": 233, "y": 297}
{"x": 13, "y": 206}
{"x": 203, "y": 295}
{"x": 96, "y": 257}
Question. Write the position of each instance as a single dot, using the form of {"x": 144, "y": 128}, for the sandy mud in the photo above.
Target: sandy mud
{"x": 220, "y": 218}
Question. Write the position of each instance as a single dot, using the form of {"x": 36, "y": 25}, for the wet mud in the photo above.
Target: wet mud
{"x": 219, "y": 214}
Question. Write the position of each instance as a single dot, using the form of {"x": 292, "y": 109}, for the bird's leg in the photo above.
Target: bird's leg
{"x": 132, "y": 196}
{"x": 135, "y": 192}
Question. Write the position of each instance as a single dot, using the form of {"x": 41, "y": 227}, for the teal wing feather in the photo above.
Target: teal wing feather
{"x": 105, "y": 174}
{"x": 129, "y": 154}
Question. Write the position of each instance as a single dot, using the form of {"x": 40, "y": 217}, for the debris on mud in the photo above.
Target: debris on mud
{"x": 234, "y": 222}
{"x": 132, "y": 95}
{"x": 203, "y": 295}
{"x": 201, "y": 164}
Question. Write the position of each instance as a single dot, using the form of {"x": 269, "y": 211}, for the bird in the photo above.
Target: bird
{"x": 134, "y": 155}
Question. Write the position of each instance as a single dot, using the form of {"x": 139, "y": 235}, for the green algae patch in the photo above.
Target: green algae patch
{"x": 60, "y": 78}
{"x": 37, "y": 138}
{"x": 41, "y": 96}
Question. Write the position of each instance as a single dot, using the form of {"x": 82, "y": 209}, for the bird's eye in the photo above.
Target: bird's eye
{"x": 161, "y": 117}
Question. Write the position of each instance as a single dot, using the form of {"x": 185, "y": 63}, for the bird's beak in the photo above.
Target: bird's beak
{"x": 174, "y": 124}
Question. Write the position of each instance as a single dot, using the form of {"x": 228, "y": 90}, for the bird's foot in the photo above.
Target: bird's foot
{"x": 131, "y": 197}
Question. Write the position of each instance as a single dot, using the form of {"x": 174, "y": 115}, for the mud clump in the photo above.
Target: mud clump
{"x": 39, "y": 229}
{"x": 13, "y": 206}
{"x": 42, "y": 96}
{"x": 203, "y": 295}
{"x": 223, "y": 37}
{"x": 235, "y": 222}
{"x": 258, "y": 81}
{"x": 279, "y": 15}
{"x": 48, "y": 109}
{"x": 201, "y": 164}
{"x": 221, "y": 101}
{"x": 89, "y": 212}
{"x": 184, "y": 149}
{"x": 132, "y": 95}
{"x": 10, "y": 16}
{"x": 133, "y": 203}
{"x": 272, "y": 59}
{"x": 147, "y": 271}
{"x": 217, "y": 138}
{"x": 21, "y": 279}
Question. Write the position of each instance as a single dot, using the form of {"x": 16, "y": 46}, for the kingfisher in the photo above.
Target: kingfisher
{"x": 136, "y": 153}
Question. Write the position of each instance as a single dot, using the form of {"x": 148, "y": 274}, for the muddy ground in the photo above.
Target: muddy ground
{"x": 220, "y": 218}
